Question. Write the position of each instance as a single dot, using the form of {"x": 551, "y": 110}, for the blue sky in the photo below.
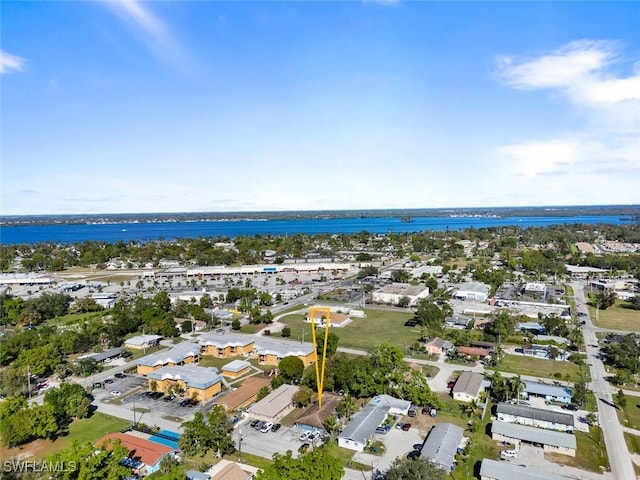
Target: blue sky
{"x": 128, "y": 106}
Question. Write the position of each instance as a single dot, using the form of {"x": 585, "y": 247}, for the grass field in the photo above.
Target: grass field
{"x": 84, "y": 430}
{"x": 73, "y": 318}
{"x": 617, "y": 317}
{"x": 633, "y": 442}
{"x": 591, "y": 453}
{"x": 539, "y": 367}
{"x": 378, "y": 326}
{"x": 629, "y": 416}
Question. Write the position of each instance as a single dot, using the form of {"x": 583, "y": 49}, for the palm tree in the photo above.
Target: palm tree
{"x": 331, "y": 425}
{"x": 471, "y": 408}
{"x": 516, "y": 386}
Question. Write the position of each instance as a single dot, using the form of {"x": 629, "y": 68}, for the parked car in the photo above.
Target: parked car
{"x": 312, "y": 438}
{"x": 260, "y": 424}
{"x": 304, "y": 436}
{"x": 116, "y": 393}
{"x": 413, "y": 411}
{"x": 406, "y": 427}
{"x": 508, "y": 454}
{"x": 168, "y": 398}
{"x": 382, "y": 430}
{"x": 411, "y": 323}
{"x": 108, "y": 380}
{"x": 276, "y": 427}
{"x": 451, "y": 384}
{"x": 413, "y": 455}
{"x": 304, "y": 447}
{"x": 399, "y": 425}
{"x": 120, "y": 375}
{"x": 254, "y": 423}
{"x": 571, "y": 407}
{"x": 266, "y": 428}
{"x": 417, "y": 446}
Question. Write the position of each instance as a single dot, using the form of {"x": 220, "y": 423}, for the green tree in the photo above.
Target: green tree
{"x": 516, "y": 386}
{"x": 264, "y": 391}
{"x": 235, "y": 324}
{"x": 200, "y": 436}
{"x": 285, "y": 332}
{"x": 431, "y": 316}
{"x": 69, "y": 401}
{"x": 418, "y": 469}
{"x": 291, "y": 368}
{"x": 621, "y": 399}
{"x": 332, "y": 343}
{"x": 318, "y": 464}
{"x": 331, "y": 425}
{"x": 303, "y": 396}
{"x": 604, "y": 299}
{"x": 580, "y": 393}
{"x": 41, "y": 360}
{"x": 90, "y": 463}
{"x": 346, "y": 407}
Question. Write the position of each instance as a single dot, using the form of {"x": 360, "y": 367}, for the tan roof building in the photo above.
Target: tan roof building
{"x": 275, "y": 405}
{"x": 468, "y": 387}
{"x": 244, "y": 395}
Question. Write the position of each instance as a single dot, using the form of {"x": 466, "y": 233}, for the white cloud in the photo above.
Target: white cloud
{"x": 155, "y": 33}
{"x": 10, "y": 63}
{"x": 580, "y": 69}
{"x": 587, "y": 74}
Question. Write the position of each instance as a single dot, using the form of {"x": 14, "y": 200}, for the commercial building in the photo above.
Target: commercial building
{"x": 442, "y": 444}
{"x": 468, "y": 387}
{"x": 142, "y": 342}
{"x": 535, "y": 417}
{"x": 493, "y": 470}
{"x": 535, "y": 290}
{"x": 197, "y": 382}
{"x": 275, "y": 405}
{"x": 472, "y": 291}
{"x": 551, "y": 441}
{"x": 144, "y": 456}
{"x": 435, "y": 270}
{"x": 394, "y": 293}
{"x": 9, "y": 279}
{"x": 181, "y": 354}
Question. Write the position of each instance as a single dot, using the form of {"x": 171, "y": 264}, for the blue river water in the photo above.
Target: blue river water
{"x": 172, "y": 230}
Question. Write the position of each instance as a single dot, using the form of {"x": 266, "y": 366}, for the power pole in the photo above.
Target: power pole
{"x": 29, "y": 380}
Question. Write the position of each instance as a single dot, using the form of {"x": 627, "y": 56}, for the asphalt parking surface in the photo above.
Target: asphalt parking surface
{"x": 266, "y": 444}
{"x": 398, "y": 443}
{"x": 122, "y": 385}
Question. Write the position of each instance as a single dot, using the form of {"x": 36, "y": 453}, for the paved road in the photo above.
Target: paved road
{"x": 619, "y": 458}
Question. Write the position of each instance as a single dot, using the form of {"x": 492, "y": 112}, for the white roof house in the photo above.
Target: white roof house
{"x": 142, "y": 341}
{"x": 552, "y": 441}
{"x": 364, "y": 423}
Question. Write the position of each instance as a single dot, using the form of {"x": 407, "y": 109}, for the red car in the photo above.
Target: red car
{"x": 406, "y": 427}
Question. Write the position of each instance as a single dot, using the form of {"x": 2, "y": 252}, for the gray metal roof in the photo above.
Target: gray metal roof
{"x": 535, "y": 435}
{"x": 140, "y": 340}
{"x": 442, "y": 444}
{"x": 391, "y": 402}
{"x": 274, "y": 403}
{"x": 458, "y": 320}
{"x": 196, "y": 475}
{"x": 99, "y": 357}
{"x": 175, "y": 355}
{"x": 536, "y": 413}
{"x": 193, "y": 375}
{"x": 477, "y": 287}
{"x": 236, "y": 366}
{"x": 469, "y": 383}
{"x": 509, "y": 471}
{"x": 365, "y": 422}
{"x": 546, "y": 390}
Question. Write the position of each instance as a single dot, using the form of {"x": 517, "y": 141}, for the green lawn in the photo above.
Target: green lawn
{"x": 73, "y": 318}
{"x": 84, "y": 430}
{"x": 378, "y": 326}
{"x": 633, "y": 442}
{"x": 539, "y": 367}
{"x": 211, "y": 361}
{"x": 591, "y": 453}
{"x": 629, "y": 416}
{"x": 617, "y": 317}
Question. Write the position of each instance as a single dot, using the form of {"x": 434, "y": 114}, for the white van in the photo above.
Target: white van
{"x": 509, "y": 453}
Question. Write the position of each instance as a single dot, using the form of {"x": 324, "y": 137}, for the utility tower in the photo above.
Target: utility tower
{"x": 326, "y": 314}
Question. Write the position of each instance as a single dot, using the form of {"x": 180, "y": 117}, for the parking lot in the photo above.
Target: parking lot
{"x": 122, "y": 385}
{"x": 398, "y": 443}
{"x": 266, "y": 444}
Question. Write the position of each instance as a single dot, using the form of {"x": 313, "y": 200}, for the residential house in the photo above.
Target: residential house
{"x": 494, "y": 470}
{"x": 535, "y": 417}
{"x": 550, "y": 393}
{"x": 468, "y": 387}
{"x": 275, "y": 405}
{"x": 551, "y": 441}
{"x": 142, "y": 342}
{"x": 459, "y": 322}
{"x": 437, "y": 346}
{"x": 144, "y": 456}
{"x": 481, "y": 353}
{"x": 442, "y": 444}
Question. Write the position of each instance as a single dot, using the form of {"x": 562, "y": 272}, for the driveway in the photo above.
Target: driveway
{"x": 398, "y": 444}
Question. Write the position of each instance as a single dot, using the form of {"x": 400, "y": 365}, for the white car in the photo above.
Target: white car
{"x": 304, "y": 436}
{"x": 116, "y": 393}
{"x": 267, "y": 427}
{"x": 509, "y": 453}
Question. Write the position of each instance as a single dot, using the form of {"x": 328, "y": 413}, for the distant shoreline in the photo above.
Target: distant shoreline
{"x": 631, "y": 211}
